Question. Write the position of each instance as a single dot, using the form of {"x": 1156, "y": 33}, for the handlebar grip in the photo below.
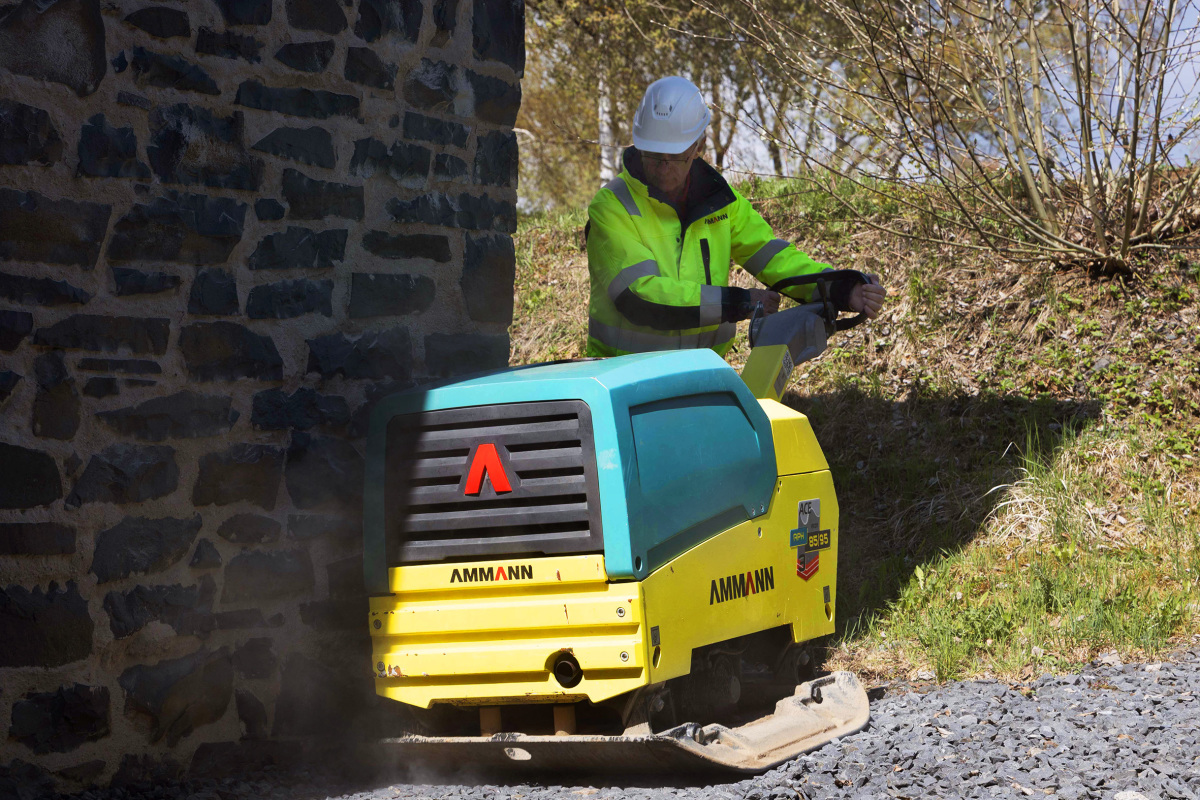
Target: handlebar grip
{"x": 814, "y": 277}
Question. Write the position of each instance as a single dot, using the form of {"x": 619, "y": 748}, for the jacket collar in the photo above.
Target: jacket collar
{"x": 707, "y": 190}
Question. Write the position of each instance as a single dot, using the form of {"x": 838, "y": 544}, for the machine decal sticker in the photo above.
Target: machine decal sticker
{"x": 741, "y": 585}
{"x": 807, "y": 565}
{"x": 785, "y": 372}
{"x": 487, "y": 461}
{"x": 515, "y": 572}
{"x": 808, "y": 535}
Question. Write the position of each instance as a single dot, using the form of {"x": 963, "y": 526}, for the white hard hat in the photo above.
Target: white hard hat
{"x": 671, "y": 116}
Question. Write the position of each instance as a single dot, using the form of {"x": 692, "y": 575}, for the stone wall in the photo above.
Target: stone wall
{"x": 226, "y": 227}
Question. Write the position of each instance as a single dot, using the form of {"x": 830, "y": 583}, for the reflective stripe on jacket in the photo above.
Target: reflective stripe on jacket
{"x": 662, "y": 283}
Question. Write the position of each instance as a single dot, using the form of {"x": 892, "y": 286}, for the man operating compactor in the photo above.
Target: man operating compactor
{"x": 663, "y": 235}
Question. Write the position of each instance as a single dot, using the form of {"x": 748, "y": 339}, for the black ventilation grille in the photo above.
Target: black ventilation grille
{"x": 547, "y": 454}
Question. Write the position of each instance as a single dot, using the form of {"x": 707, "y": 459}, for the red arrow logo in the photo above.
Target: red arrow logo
{"x": 487, "y": 461}
{"x": 808, "y": 564}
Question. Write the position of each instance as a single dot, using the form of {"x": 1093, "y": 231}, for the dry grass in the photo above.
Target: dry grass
{"x": 1014, "y": 448}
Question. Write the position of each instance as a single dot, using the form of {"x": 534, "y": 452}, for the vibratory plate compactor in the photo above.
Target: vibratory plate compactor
{"x": 610, "y": 562}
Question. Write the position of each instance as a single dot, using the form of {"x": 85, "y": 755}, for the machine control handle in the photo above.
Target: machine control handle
{"x": 822, "y": 280}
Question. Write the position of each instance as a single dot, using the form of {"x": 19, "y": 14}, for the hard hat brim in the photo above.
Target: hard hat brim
{"x": 666, "y": 148}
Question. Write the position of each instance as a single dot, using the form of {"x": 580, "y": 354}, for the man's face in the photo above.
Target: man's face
{"x": 668, "y": 173}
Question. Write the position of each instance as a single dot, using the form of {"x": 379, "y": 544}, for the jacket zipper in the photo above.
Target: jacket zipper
{"x": 704, "y": 255}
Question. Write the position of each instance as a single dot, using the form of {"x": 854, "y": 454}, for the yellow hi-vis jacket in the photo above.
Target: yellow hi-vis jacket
{"x": 662, "y": 283}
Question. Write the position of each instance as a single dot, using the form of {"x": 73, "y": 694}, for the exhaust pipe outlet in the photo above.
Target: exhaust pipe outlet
{"x": 567, "y": 671}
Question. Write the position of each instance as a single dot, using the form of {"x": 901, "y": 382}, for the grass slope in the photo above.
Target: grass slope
{"x": 1014, "y": 447}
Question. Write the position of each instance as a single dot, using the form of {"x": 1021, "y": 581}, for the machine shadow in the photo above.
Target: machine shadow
{"x": 917, "y": 477}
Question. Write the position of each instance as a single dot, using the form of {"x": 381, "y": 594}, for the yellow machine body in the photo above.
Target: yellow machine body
{"x": 487, "y": 632}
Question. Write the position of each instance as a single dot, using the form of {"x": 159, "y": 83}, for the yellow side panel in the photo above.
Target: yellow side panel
{"x": 488, "y": 632}
{"x": 796, "y": 448}
{"x": 746, "y": 580}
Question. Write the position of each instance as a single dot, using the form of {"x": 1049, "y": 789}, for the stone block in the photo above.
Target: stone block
{"x": 394, "y": 18}
{"x": 250, "y": 529}
{"x": 23, "y": 781}
{"x": 100, "y": 387}
{"x": 311, "y": 526}
{"x": 449, "y": 168}
{"x": 318, "y": 104}
{"x": 164, "y": 23}
{"x": 180, "y": 695}
{"x": 498, "y": 32}
{"x": 214, "y": 292}
{"x": 307, "y": 145}
{"x": 27, "y": 136}
{"x": 56, "y": 405}
{"x": 226, "y": 351}
{"x": 133, "y": 100}
{"x": 373, "y": 356}
{"x": 448, "y": 354}
{"x": 40, "y": 291}
{"x": 44, "y": 629}
{"x": 496, "y": 159}
{"x": 464, "y": 211}
{"x": 403, "y": 162}
{"x": 269, "y": 210}
{"x": 84, "y": 774}
{"x": 177, "y": 606}
{"x": 299, "y": 248}
{"x": 363, "y": 66}
{"x": 306, "y": 56}
{"x": 190, "y": 145}
{"x": 378, "y": 295}
{"x": 432, "y": 85}
{"x": 107, "y": 334}
{"x": 274, "y": 409}
{"x": 8, "y": 382}
{"x": 313, "y": 199}
{"x": 323, "y": 472}
{"x": 315, "y": 700}
{"x": 14, "y": 327}
{"x": 28, "y": 478}
{"x": 139, "y": 545}
{"x": 134, "y": 281}
{"x": 400, "y": 246}
{"x": 255, "y": 659}
{"x": 245, "y": 12}
{"x": 183, "y": 415}
{"x": 60, "y": 721}
{"x": 228, "y": 44}
{"x": 346, "y": 579}
{"x": 249, "y": 472}
{"x": 325, "y": 16}
{"x": 36, "y": 539}
{"x": 252, "y": 714}
{"x": 287, "y": 299}
{"x": 206, "y": 556}
{"x": 35, "y": 228}
{"x": 256, "y": 577}
{"x": 170, "y": 72}
{"x": 495, "y": 100}
{"x": 130, "y": 366}
{"x": 126, "y": 473}
{"x": 432, "y": 129}
{"x": 186, "y": 228}
{"x": 32, "y": 38}
{"x": 445, "y": 15}
{"x": 489, "y": 271}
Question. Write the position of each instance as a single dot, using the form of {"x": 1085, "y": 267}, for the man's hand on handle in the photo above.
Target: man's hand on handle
{"x": 769, "y": 300}
{"x": 867, "y": 298}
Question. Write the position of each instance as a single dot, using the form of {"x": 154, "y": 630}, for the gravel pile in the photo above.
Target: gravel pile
{"x": 1118, "y": 732}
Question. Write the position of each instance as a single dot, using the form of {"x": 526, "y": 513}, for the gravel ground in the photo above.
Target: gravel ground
{"x": 1118, "y": 732}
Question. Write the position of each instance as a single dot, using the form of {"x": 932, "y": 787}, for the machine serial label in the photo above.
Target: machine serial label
{"x": 741, "y": 585}
{"x": 514, "y": 572}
